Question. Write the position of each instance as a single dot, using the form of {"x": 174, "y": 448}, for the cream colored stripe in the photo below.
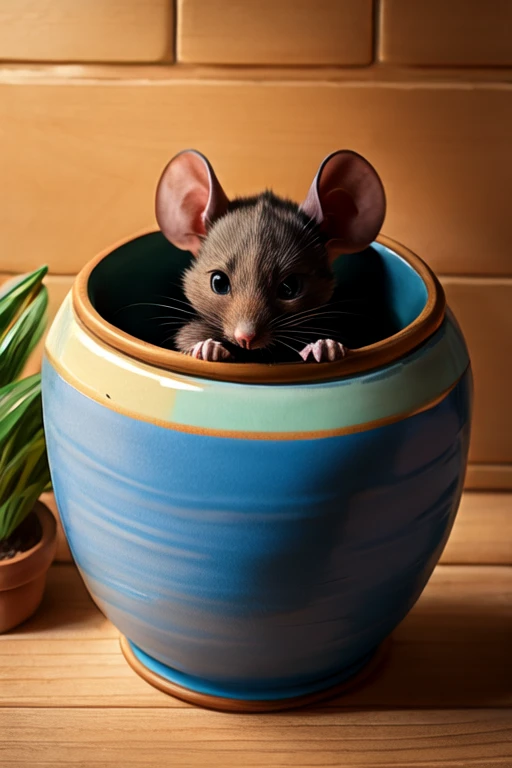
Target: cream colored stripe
{"x": 238, "y": 434}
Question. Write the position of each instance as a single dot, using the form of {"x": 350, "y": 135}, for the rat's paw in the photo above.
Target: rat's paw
{"x": 210, "y": 350}
{"x": 323, "y": 351}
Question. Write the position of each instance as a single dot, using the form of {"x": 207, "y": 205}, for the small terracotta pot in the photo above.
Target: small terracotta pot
{"x": 22, "y": 578}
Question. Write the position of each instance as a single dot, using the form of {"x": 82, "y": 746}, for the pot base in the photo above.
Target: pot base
{"x": 210, "y": 696}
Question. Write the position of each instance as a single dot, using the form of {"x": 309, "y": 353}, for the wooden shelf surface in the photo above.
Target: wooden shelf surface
{"x": 442, "y": 697}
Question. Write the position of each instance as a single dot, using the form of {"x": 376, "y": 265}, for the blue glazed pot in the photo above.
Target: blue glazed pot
{"x": 255, "y": 532}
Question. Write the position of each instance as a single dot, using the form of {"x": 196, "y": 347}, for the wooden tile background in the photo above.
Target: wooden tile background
{"x": 96, "y": 30}
{"x": 275, "y": 32}
{"x": 446, "y": 32}
{"x": 92, "y": 106}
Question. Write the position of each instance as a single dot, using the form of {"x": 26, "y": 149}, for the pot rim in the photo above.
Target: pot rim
{"x": 28, "y": 565}
{"x": 361, "y": 360}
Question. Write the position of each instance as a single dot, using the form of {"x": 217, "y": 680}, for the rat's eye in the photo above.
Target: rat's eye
{"x": 290, "y": 288}
{"x": 220, "y": 283}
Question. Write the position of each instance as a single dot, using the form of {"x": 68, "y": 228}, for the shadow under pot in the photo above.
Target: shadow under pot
{"x": 255, "y": 532}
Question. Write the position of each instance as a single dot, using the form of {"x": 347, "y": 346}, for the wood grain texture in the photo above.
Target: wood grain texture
{"x": 489, "y": 477}
{"x": 98, "y": 30}
{"x": 378, "y": 72}
{"x": 451, "y": 651}
{"x": 193, "y": 737}
{"x": 81, "y": 159}
{"x": 289, "y": 32}
{"x": 483, "y": 308}
{"x": 446, "y": 32}
{"x": 483, "y": 530}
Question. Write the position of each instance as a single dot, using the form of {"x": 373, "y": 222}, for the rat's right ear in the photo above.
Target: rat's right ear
{"x": 348, "y": 202}
{"x": 188, "y": 200}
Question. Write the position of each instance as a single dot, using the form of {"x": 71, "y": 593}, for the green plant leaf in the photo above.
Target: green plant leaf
{"x": 24, "y": 471}
{"x": 16, "y": 402}
{"x": 15, "y": 296}
{"x": 22, "y": 336}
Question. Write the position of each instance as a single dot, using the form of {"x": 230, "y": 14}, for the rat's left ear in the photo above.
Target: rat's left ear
{"x": 189, "y": 199}
{"x": 347, "y": 200}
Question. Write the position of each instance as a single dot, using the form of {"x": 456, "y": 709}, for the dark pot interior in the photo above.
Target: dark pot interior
{"x": 137, "y": 288}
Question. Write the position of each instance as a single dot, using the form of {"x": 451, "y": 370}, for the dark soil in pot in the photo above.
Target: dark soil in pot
{"x": 26, "y": 536}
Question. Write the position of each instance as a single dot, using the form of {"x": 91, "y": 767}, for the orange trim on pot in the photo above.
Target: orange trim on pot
{"x": 233, "y": 434}
{"x": 209, "y": 701}
{"x": 363, "y": 359}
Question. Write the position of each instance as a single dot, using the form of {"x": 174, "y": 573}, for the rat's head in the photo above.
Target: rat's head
{"x": 260, "y": 258}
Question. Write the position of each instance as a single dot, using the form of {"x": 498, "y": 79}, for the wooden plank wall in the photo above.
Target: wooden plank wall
{"x": 95, "y": 98}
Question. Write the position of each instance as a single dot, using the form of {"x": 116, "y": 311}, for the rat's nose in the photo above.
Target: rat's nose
{"x": 245, "y": 335}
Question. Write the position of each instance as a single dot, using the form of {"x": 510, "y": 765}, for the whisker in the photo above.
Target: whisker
{"x": 320, "y": 306}
{"x": 294, "y": 315}
{"x": 314, "y": 330}
{"x": 214, "y": 321}
{"x": 292, "y": 338}
{"x": 171, "y": 298}
{"x": 321, "y": 312}
{"x": 325, "y": 334}
{"x": 153, "y": 304}
{"x": 271, "y": 351}
{"x": 210, "y": 318}
{"x": 289, "y": 347}
{"x": 297, "y": 323}
{"x": 168, "y": 338}
{"x": 176, "y": 323}
{"x": 306, "y": 323}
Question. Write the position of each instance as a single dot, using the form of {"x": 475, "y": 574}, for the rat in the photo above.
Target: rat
{"x": 262, "y": 274}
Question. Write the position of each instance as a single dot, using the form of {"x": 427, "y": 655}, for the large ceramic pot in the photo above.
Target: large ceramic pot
{"x": 255, "y": 532}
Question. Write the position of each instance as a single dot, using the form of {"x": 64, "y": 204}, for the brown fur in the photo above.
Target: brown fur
{"x": 258, "y": 243}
